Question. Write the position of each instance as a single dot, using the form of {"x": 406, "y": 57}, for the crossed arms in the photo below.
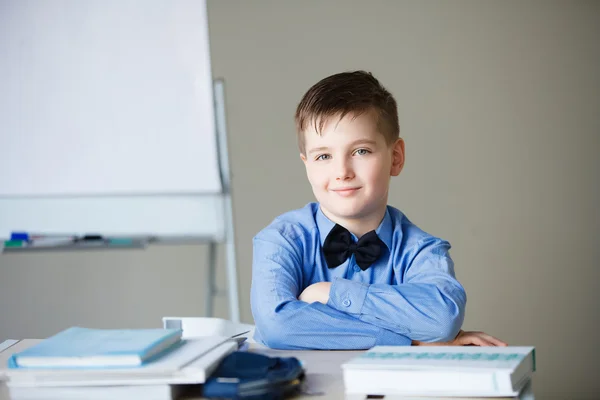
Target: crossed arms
{"x": 427, "y": 307}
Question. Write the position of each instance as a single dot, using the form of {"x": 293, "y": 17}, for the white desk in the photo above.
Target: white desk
{"x": 323, "y": 370}
{"x": 3, "y": 391}
{"x": 323, "y": 373}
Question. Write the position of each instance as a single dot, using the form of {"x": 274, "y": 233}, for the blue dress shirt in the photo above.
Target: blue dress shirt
{"x": 409, "y": 293}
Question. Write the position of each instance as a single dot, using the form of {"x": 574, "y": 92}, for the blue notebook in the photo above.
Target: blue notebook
{"x": 97, "y": 348}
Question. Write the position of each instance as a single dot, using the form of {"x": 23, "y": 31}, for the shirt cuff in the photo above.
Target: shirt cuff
{"x": 347, "y": 296}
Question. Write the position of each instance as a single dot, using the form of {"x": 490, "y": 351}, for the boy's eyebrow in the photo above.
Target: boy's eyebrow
{"x": 364, "y": 141}
{"x": 317, "y": 149}
{"x": 359, "y": 141}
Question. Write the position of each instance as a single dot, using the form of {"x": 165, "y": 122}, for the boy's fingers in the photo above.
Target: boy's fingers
{"x": 473, "y": 340}
{"x": 477, "y": 339}
{"x": 493, "y": 340}
{"x": 483, "y": 342}
{"x": 483, "y": 339}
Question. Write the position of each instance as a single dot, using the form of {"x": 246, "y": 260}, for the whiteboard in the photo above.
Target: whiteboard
{"x": 107, "y": 120}
{"x": 106, "y": 98}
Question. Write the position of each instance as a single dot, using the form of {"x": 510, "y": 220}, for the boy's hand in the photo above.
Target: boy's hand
{"x": 467, "y": 339}
{"x": 316, "y": 292}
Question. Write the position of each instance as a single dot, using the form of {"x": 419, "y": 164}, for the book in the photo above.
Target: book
{"x": 189, "y": 363}
{"x": 446, "y": 371}
{"x": 82, "y": 347}
{"x": 526, "y": 394}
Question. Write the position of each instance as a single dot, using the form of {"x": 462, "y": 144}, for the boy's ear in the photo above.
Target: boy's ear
{"x": 397, "y": 157}
{"x": 303, "y": 158}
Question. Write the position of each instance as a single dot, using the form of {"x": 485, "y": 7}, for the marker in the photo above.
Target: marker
{"x": 51, "y": 242}
{"x": 34, "y": 236}
{"x": 120, "y": 242}
{"x": 15, "y": 243}
{"x": 99, "y": 240}
{"x": 19, "y": 236}
{"x": 90, "y": 238}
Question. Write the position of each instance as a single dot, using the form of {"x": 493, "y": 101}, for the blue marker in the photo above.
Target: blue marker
{"x": 24, "y": 236}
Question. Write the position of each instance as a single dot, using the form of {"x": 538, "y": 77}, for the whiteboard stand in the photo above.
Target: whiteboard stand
{"x": 229, "y": 236}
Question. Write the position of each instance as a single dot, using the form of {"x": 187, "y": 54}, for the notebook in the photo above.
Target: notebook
{"x": 189, "y": 363}
{"x": 97, "y": 348}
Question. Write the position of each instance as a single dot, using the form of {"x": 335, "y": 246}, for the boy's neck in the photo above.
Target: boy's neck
{"x": 360, "y": 226}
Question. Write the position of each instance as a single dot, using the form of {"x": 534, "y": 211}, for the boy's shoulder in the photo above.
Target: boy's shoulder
{"x": 292, "y": 224}
{"x": 408, "y": 233}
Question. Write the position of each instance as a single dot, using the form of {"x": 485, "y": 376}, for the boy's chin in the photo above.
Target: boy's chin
{"x": 346, "y": 211}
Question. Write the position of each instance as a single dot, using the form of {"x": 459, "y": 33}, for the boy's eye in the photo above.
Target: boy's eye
{"x": 362, "y": 152}
{"x": 322, "y": 157}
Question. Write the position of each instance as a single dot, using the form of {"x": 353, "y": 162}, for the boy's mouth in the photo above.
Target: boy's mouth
{"x": 345, "y": 192}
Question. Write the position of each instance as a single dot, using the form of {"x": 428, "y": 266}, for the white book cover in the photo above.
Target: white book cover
{"x": 526, "y": 394}
{"x": 189, "y": 363}
{"x": 440, "y": 370}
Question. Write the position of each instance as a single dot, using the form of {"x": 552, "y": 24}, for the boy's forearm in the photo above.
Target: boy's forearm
{"x": 298, "y": 325}
{"x": 423, "y": 312}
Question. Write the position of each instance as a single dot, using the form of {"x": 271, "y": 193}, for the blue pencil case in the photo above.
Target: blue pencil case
{"x": 251, "y": 376}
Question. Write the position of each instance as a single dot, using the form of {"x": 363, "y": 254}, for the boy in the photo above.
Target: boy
{"x": 351, "y": 272}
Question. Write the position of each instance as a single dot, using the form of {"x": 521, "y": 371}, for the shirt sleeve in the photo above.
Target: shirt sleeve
{"x": 284, "y": 322}
{"x": 428, "y": 306}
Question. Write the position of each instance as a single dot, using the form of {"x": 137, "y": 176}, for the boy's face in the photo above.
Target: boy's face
{"x": 349, "y": 166}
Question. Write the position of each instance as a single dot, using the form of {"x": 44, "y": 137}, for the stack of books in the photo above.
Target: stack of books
{"x": 468, "y": 372}
{"x": 110, "y": 364}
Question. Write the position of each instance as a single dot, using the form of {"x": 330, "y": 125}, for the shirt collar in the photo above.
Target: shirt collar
{"x": 384, "y": 230}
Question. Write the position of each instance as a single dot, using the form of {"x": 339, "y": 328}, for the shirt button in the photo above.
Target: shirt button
{"x": 356, "y": 268}
{"x": 346, "y": 303}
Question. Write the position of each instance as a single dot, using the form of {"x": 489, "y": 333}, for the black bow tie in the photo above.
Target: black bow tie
{"x": 338, "y": 246}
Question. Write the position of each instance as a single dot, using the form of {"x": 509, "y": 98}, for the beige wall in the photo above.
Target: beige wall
{"x": 500, "y": 109}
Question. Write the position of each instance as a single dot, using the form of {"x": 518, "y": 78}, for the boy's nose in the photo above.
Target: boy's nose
{"x": 344, "y": 171}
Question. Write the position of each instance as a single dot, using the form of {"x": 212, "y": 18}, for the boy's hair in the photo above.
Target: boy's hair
{"x": 345, "y": 93}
